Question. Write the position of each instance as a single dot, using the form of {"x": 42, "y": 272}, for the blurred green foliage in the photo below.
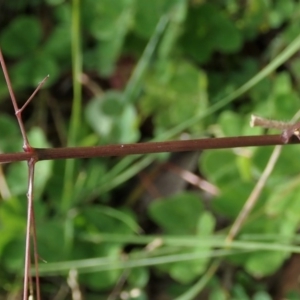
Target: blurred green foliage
{"x": 149, "y": 66}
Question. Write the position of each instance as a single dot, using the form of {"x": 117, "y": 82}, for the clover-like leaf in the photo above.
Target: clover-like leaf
{"x": 21, "y": 37}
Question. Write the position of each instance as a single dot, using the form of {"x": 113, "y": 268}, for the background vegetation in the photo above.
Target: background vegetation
{"x": 136, "y": 227}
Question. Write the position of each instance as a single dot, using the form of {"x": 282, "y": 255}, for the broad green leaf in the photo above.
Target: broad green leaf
{"x": 292, "y": 295}
{"x": 265, "y": 263}
{"x": 244, "y": 164}
{"x": 105, "y": 19}
{"x": 173, "y": 92}
{"x": 13, "y": 253}
{"x": 287, "y": 165}
{"x": 178, "y": 214}
{"x": 147, "y": 15}
{"x": 114, "y": 121}
{"x": 51, "y": 239}
{"x": 262, "y": 296}
{"x": 186, "y": 272}
{"x": 218, "y": 294}
{"x": 108, "y": 22}
{"x": 282, "y": 10}
{"x": 232, "y": 198}
{"x": 261, "y": 92}
{"x": 206, "y": 224}
{"x": 253, "y": 21}
{"x": 283, "y": 204}
{"x": 58, "y": 45}
{"x": 138, "y": 277}
{"x": 208, "y": 29}
{"x": 13, "y": 222}
{"x": 239, "y": 292}
{"x": 21, "y": 37}
{"x": 219, "y": 166}
{"x": 231, "y": 123}
{"x": 30, "y": 71}
{"x": 105, "y": 279}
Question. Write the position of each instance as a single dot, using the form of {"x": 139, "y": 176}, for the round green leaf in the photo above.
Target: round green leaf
{"x": 177, "y": 214}
{"x": 148, "y": 14}
{"x": 173, "y": 93}
{"x": 105, "y": 279}
{"x": 231, "y": 123}
{"x": 32, "y": 70}
{"x": 112, "y": 120}
{"x": 208, "y": 29}
{"x": 265, "y": 263}
{"x": 261, "y": 296}
{"x": 138, "y": 277}
{"x": 105, "y": 18}
{"x": 21, "y": 37}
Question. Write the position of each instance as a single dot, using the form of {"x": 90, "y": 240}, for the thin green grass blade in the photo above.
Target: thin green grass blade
{"x": 106, "y": 263}
{"x": 169, "y": 243}
{"x": 134, "y": 84}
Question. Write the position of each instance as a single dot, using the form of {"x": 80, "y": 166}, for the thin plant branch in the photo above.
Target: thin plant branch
{"x": 31, "y": 164}
{"x": 257, "y": 121}
{"x": 289, "y": 129}
{"x": 19, "y": 111}
{"x": 147, "y": 148}
{"x": 26, "y": 145}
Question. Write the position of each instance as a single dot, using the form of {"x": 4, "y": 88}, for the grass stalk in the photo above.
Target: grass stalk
{"x": 75, "y": 117}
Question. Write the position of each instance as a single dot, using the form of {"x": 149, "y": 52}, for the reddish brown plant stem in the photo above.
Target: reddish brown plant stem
{"x": 26, "y": 145}
{"x": 147, "y": 148}
{"x": 31, "y": 163}
{"x": 36, "y": 258}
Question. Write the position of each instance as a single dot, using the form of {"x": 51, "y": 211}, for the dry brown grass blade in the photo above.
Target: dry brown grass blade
{"x": 252, "y": 199}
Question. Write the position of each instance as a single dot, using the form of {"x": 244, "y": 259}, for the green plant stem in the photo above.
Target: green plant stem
{"x": 74, "y": 123}
{"x": 76, "y": 106}
{"x": 109, "y": 263}
{"x": 277, "y": 243}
